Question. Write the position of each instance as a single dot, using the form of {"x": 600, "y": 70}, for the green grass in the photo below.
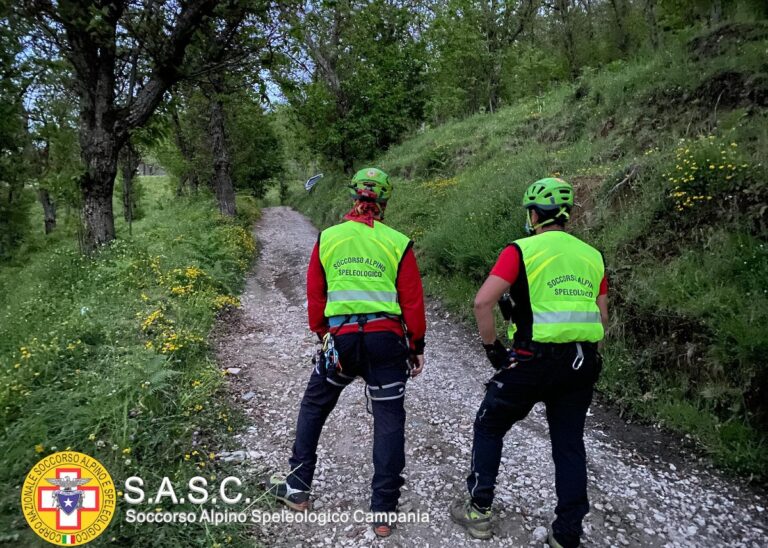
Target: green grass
{"x": 109, "y": 356}
{"x": 687, "y": 272}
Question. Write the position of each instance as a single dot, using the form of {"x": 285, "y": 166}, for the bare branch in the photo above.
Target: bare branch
{"x": 166, "y": 70}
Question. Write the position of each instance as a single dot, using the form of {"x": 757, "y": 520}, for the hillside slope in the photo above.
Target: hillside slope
{"x": 666, "y": 156}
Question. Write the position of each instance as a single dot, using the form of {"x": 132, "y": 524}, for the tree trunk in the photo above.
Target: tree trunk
{"x": 99, "y": 150}
{"x": 49, "y": 209}
{"x": 652, "y": 22}
{"x": 189, "y": 178}
{"x": 563, "y": 7}
{"x": 619, "y": 13}
{"x": 222, "y": 178}
{"x": 130, "y": 165}
{"x": 587, "y": 5}
{"x": 716, "y": 13}
{"x": 98, "y": 216}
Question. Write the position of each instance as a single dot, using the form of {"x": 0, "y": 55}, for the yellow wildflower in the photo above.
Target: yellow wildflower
{"x": 151, "y": 319}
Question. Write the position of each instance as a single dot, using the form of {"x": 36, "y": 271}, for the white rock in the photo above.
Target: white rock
{"x": 540, "y": 534}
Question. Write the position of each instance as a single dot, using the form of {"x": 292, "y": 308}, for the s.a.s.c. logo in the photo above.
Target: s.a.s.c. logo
{"x": 68, "y": 498}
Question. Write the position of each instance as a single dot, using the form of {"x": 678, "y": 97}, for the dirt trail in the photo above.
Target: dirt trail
{"x": 638, "y": 498}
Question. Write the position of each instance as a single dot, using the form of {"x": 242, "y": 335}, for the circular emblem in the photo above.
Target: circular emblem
{"x": 68, "y": 498}
{"x": 371, "y": 173}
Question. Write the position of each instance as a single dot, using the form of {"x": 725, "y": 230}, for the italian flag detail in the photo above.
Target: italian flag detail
{"x": 67, "y": 539}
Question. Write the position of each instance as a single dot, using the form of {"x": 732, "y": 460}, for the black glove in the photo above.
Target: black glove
{"x": 497, "y": 354}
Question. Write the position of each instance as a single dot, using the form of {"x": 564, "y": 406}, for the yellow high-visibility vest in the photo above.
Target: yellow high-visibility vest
{"x": 361, "y": 265}
{"x": 563, "y": 275}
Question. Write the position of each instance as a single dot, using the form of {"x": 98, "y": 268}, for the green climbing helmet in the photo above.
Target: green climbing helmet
{"x": 548, "y": 194}
{"x": 371, "y": 184}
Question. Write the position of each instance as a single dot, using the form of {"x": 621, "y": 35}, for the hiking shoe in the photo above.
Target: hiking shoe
{"x": 552, "y": 541}
{"x": 295, "y": 499}
{"x": 382, "y": 529}
{"x": 477, "y": 522}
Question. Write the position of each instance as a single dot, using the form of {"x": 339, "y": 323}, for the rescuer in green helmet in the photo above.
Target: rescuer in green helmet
{"x": 372, "y": 185}
{"x": 365, "y": 302}
{"x": 558, "y": 289}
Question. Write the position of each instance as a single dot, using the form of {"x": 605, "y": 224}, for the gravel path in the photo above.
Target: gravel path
{"x": 638, "y": 498}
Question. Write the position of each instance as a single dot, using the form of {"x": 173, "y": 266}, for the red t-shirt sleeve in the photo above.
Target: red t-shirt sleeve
{"x": 507, "y": 266}
{"x": 410, "y": 294}
{"x": 604, "y": 286}
{"x": 317, "y": 291}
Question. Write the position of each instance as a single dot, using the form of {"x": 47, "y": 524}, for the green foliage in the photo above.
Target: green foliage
{"x": 138, "y": 191}
{"x": 687, "y": 274}
{"x": 257, "y": 158}
{"x": 248, "y": 209}
{"x": 255, "y": 152}
{"x": 15, "y": 223}
{"x": 376, "y": 90}
{"x": 710, "y": 169}
{"x": 109, "y": 356}
{"x": 62, "y": 167}
{"x": 14, "y": 198}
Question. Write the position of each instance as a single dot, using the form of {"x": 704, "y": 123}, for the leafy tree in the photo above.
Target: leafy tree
{"x": 240, "y": 47}
{"x": 471, "y": 41}
{"x": 124, "y": 57}
{"x": 14, "y": 199}
{"x": 365, "y": 64}
{"x": 252, "y": 148}
{"x": 257, "y": 155}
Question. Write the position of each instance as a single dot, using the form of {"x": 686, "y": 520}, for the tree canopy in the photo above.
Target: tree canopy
{"x": 216, "y": 90}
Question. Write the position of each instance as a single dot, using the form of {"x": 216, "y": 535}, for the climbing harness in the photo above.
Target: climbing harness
{"x": 328, "y": 364}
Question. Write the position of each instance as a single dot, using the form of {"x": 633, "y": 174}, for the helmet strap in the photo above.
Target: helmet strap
{"x": 531, "y": 228}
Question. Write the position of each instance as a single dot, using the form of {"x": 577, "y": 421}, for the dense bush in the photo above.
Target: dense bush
{"x": 109, "y": 356}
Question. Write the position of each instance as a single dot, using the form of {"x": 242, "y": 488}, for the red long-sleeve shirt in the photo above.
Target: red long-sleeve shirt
{"x": 410, "y": 295}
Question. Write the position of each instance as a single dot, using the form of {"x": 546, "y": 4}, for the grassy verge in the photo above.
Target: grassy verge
{"x": 110, "y": 356}
{"x": 666, "y": 157}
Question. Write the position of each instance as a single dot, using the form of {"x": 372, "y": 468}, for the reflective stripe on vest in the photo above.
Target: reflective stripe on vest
{"x": 361, "y": 265}
{"x": 371, "y": 296}
{"x": 566, "y": 317}
{"x": 564, "y": 276}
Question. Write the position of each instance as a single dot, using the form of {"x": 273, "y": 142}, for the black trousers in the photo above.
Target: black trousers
{"x": 548, "y": 377}
{"x": 380, "y": 358}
